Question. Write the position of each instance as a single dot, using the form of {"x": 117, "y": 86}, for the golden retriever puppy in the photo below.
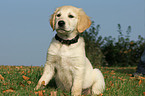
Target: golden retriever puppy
{"x": 66, "y": 58}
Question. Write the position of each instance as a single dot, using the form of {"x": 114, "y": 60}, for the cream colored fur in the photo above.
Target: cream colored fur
{"x": 68, "y": 63}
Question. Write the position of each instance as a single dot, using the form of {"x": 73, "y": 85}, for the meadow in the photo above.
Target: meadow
{"x": 21, "y": 80}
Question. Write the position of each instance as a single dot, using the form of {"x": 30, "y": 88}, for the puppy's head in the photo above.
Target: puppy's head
{"x": 67, "y": 19}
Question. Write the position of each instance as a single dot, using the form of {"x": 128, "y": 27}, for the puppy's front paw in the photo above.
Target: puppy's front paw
{"x": 40, "y": 85}
{"x": 76, "y": 92}
{"x": 37, "y": 87}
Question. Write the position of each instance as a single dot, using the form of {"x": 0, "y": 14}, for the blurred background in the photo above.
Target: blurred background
{"x": 117, "y": 31}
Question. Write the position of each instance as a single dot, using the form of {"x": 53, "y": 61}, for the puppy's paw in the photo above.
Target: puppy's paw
{"x": 76, "y": 92}
{"x": 37, "y": 87}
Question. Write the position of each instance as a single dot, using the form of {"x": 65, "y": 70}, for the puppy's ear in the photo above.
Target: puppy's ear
{"x": 84, "y": 21}
{"x": 52, "y": 19}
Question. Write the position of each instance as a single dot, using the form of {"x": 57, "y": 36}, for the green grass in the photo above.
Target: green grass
{"x": 118, "y": 82}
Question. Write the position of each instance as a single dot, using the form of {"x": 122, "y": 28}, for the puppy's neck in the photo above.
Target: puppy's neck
{"x": 67, "y": 36}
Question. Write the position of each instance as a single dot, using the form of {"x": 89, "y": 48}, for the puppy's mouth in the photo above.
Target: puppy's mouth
{"x": 62, "y": 30}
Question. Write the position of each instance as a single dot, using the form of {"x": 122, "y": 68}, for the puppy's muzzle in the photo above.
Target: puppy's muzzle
{"x": 61, "y": 23}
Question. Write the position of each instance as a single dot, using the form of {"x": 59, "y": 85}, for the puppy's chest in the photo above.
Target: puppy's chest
{"x": 66, "y": 57}
{"x": 65, "y": 60}
{"x": 63, "y": 64}
{"x": 64, "y": 69}
{"x": 65, "y": 51}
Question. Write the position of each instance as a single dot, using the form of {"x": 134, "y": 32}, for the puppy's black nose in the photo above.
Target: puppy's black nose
{"x": 61, "y": 23}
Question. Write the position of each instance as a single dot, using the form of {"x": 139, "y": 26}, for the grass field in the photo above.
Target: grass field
{"x": 21, "y": 80}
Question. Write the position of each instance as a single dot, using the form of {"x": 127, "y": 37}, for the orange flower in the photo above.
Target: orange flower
{"x": 25, "y": 77}
{"x": 143, "y": 93}
{"x": 29, "y": 82}
{"x": 40, "y": 93}
{"x": 140, "y": 81}
{"x": 22, "y": 72}
{"x": 8, "y": 90}
{"x": 29, "y": 72}
{"x": 1, "y": 77}
{"x": 142, "y": 77}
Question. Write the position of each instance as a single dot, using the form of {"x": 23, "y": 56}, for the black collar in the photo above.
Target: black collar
{"x": 67, "y": 42}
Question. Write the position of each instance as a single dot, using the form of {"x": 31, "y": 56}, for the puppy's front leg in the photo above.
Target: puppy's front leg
{"x": 47, "y": 74}
{"x": 77, "y": 82}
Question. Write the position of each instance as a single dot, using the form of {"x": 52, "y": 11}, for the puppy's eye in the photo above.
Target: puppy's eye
{"x": 70, "y": 16}
{"x": 58, "y": 15}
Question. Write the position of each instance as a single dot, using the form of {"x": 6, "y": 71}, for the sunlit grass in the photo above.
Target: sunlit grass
{"x": 21, "y": 80}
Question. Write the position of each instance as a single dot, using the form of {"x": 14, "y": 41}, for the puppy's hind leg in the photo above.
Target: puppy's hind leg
{"x": 99, "y": 85}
